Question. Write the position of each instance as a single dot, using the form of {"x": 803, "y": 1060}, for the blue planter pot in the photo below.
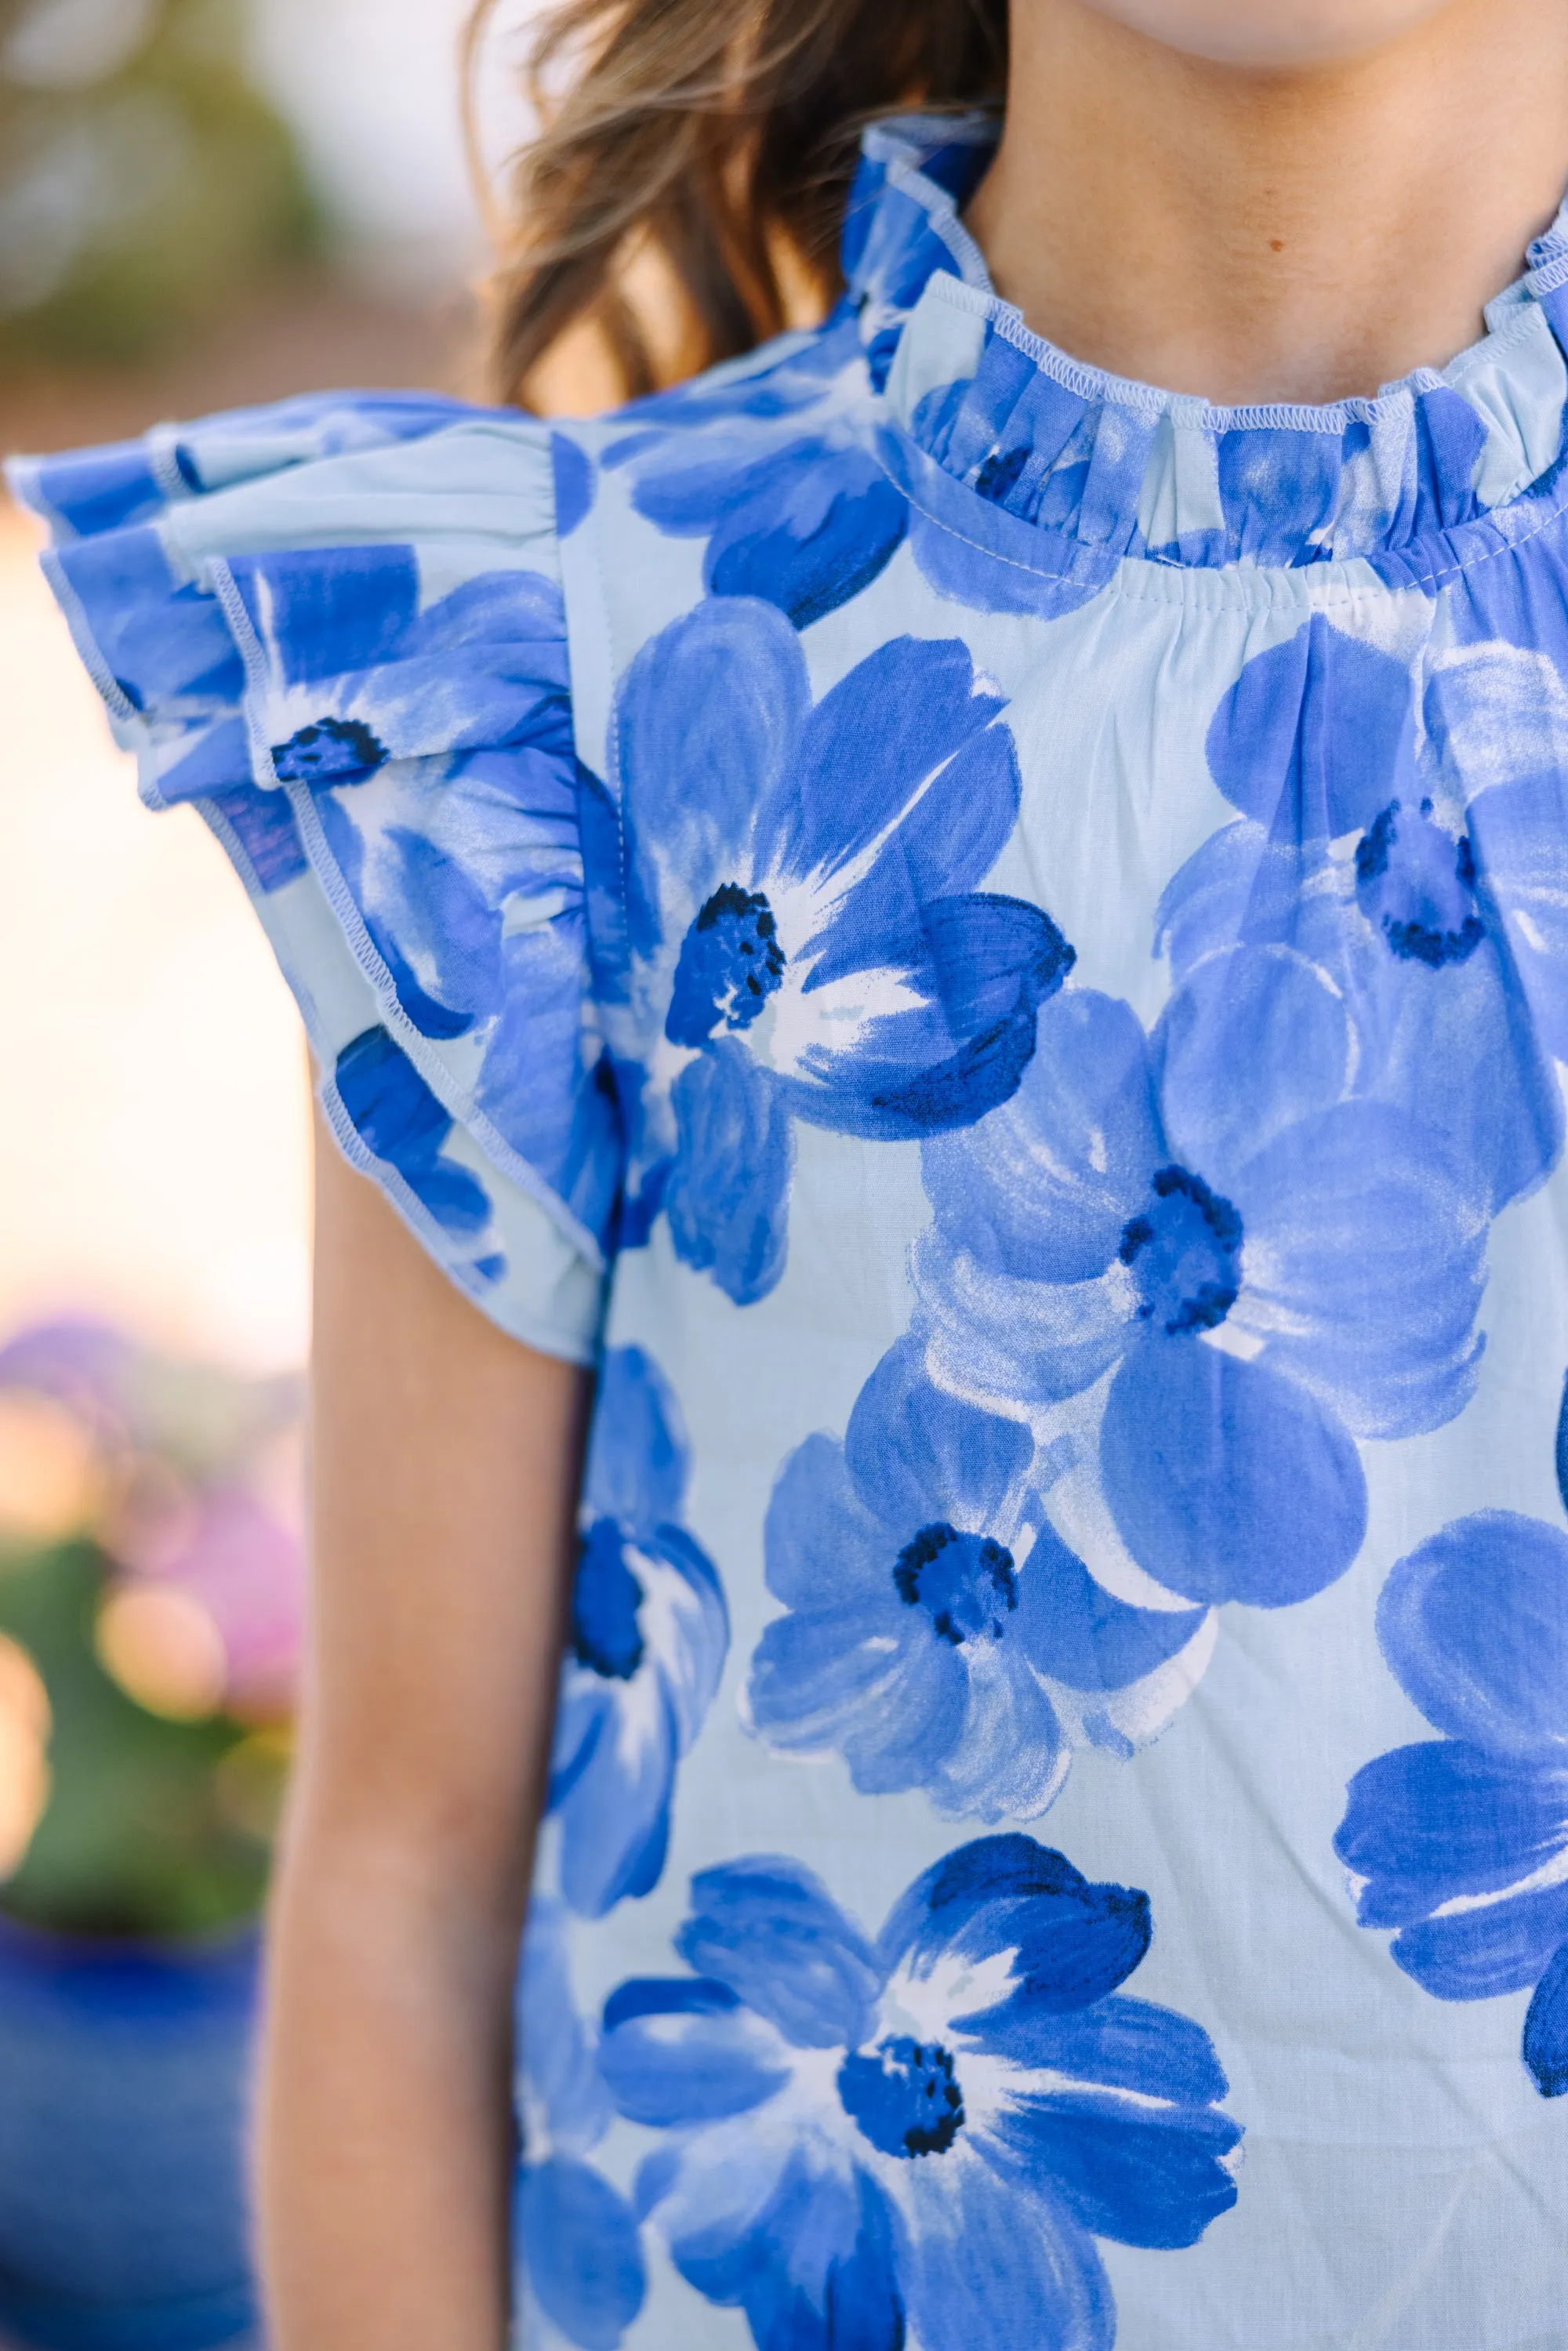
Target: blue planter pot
{"x": 124, "y": 2085}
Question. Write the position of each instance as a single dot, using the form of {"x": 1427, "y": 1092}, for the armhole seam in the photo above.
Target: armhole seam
{"x": 591, "y": 521}
{"x": 590, "y": 578}
{"x": 613, "y": 775}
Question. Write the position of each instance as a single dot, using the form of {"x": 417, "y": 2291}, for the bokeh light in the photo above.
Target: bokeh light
{"x": 23, "y": 1752}
{"x": 163, "y": 1647}
{"x": 50, "y": 1482}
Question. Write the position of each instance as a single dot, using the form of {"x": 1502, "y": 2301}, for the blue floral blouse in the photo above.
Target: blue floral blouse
{"x": 992, "y": 944}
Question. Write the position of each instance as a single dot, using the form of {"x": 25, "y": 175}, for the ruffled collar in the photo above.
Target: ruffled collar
{"x": 1133, "y": 471}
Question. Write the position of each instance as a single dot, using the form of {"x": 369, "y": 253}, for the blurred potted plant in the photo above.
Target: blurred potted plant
{"x": 151, "y": 1583}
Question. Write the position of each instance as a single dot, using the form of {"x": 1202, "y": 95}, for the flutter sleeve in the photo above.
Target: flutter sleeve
{"x": 336, "y": 628}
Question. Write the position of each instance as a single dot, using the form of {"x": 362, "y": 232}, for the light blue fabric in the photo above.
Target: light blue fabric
{"x": 992, "y": 943}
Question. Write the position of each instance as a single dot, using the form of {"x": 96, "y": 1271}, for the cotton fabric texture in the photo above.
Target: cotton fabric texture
{"x": 992, "y": 943}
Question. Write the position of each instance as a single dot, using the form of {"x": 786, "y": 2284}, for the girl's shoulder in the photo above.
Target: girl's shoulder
{"x": 237, "y": 564}
{"x": 371, "y": 463}
{"x": 376, "y": 639}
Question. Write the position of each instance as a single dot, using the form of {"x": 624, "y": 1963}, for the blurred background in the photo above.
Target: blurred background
{"x": 203, "y": 204}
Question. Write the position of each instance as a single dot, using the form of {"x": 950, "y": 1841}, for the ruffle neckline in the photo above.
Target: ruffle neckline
{"x": 1133, "y": 471}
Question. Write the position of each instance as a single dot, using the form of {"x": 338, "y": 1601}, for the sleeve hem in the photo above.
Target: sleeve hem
{"x": 129, "y": 721}
{"x": 526, "y": 1328}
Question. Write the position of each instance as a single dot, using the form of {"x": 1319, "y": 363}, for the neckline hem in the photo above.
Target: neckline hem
{"x": 893, "y": 141}
{"x": 1090, "y": 382}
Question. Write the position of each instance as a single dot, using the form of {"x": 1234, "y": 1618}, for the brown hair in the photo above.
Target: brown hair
{"x": 708, "y": 144}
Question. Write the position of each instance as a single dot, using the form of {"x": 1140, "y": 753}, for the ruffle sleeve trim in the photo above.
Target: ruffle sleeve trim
{"x": 349, "y": 654}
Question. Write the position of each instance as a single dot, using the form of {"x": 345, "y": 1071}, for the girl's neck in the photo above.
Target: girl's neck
{"x": 1291, "y": 233}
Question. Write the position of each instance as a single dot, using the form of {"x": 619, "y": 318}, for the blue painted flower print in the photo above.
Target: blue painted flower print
{"x": 780, "y": 466}
{"x": 940, "y": 1633}
{"x": 645, "y": 1647}
{"x": 426, "y": 748}
{"x": 918, "y": 2138}
{"x": 576, "y": 2237}
{"x": 1461, "y": 1842}
{"x": 1192, "y": 1218}
{"x": 661, "y": 818}
{"x": 779, "y": 479}
{"x": 808, "y": 940}
{"x": 1414, "y": 844}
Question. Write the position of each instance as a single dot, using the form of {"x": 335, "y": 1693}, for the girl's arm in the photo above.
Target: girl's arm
{"x": 446, "y": 1467}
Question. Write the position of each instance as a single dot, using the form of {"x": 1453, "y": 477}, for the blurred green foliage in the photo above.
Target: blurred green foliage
{"x": 152, "y": 1588}
{"x": 145, "y": 183}
{"x": 136, "y": 1838}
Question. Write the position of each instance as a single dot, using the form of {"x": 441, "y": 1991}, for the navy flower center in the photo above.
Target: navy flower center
{"x": 730, "y": 964}
{"x": 903, "y": 2095}
{"x": 1416, "y": 884}
{"x": 966, "y": 1583}
{"x": 606, "y": 1601}
{"x": 328, "y": 751}
{"x": 1184, "y": 1251}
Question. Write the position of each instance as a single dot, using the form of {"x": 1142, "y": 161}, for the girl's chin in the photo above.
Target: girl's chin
{"x": 1271, "y": 34}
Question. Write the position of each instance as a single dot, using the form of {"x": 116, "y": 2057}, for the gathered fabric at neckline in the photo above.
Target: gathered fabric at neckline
{"x": 1133, "y": 471}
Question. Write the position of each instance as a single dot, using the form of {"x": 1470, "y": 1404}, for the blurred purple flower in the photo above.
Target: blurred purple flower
{"x": 85, "y": 1365}
{"x": 247, "y": 1570}
{"x": 201, "y": 1493}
